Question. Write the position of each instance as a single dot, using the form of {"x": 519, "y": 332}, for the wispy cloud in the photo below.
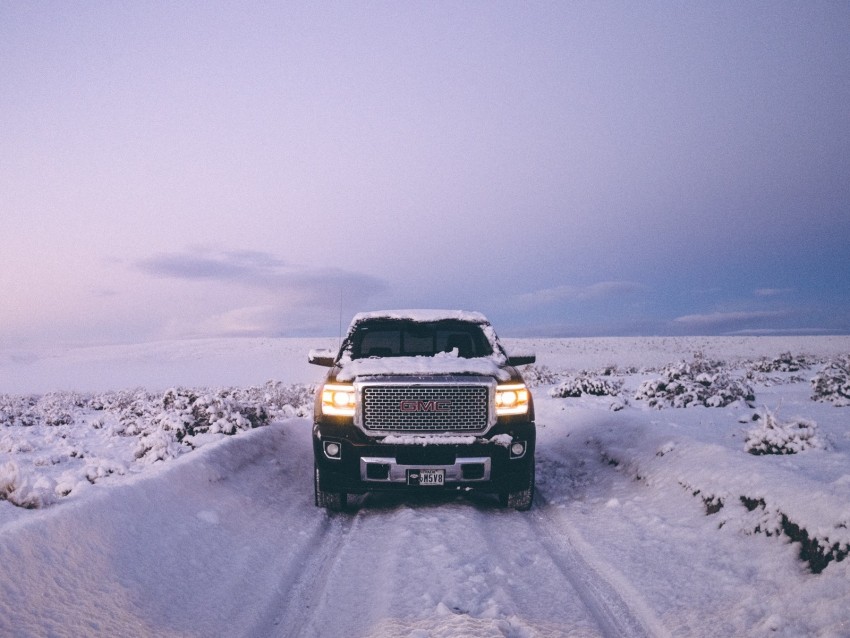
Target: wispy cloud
{"x": 265, "y": 271}
{"x": 716, "y": 319}
{"x": 776, "y": 332}
{"x": 249, "y": 293}
{"x": 562, "y": 294}
{"x": 251, "y": 321}
{"x": 772, "y": 292}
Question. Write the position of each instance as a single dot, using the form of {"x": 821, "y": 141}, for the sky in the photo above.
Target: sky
{"x": 203, "y": 169}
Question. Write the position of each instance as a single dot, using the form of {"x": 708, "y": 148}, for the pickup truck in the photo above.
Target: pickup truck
{"x": 421, "y": 400}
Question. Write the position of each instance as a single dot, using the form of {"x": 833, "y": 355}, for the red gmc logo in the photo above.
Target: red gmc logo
{"x": 417, "y": 405}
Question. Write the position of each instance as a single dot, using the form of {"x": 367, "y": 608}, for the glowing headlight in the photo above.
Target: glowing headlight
{"x": 512, "y": 399}
{"x": 338, "y": 400}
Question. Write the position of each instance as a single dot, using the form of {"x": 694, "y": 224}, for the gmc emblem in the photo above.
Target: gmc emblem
{"x": 417, "y": 405}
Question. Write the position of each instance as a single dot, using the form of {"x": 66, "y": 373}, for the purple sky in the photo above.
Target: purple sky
{"x": 174, "y": 170}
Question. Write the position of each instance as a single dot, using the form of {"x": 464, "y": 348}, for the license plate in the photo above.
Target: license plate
{"x": 426, "y": 477}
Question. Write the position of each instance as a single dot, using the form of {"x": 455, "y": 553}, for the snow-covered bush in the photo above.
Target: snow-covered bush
{"x": 25, "y": 490}
{"x": 698, "y": 382}
{"x": 832, "y": 383}
{"x": 167, "y": 429}
{"x": 186, "y": 413}
{"x": 159, "y": 445}
{"x": 18, "y": 410}
{"x": 785, "y": 362}
{"x": 771, "y": 436}
{"x": 101, "y": 468}
{"x": 281, "y": 401}
{"x": 587, "y": 384}
{"x": 8, "y": 478}
{"x": 537, "y": 375}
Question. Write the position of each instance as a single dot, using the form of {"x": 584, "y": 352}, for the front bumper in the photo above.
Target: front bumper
{"x": 387, "y": 469}
{"x": 364, "y": 464}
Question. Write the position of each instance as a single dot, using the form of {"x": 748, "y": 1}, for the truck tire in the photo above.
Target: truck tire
{"x": 520, "y": 499}
{"x": 331, "y": 501}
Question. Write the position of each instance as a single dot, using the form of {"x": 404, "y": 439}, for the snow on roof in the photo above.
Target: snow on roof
{"x": 422, "y": 315}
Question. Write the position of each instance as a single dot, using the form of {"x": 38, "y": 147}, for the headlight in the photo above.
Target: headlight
{"x": 338, "y": 400}
{"x": 512, "y": 399}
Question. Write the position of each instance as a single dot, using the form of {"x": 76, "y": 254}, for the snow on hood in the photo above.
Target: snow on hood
{"x": 441, "y": 363}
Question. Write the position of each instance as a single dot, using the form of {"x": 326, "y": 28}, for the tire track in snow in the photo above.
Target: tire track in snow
{"x": 310, "y": 541}
{"x": 298, "y": 596}
{"x": 614, "y": 604}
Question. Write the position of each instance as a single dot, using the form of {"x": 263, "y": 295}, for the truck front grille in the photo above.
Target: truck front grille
{"x": 426, "y": 408}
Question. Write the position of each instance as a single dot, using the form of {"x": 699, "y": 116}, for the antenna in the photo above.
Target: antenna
{"x": 339, "y": 333}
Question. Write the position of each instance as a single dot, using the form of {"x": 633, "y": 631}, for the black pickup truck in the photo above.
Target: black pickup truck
{"x": 422, "y": 400}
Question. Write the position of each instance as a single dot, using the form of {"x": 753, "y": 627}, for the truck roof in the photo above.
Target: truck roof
{"x": 422, "y": 315}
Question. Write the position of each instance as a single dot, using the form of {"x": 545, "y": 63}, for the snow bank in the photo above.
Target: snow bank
{"x": 736, "y": 480}
{"x": 160, "y": 554}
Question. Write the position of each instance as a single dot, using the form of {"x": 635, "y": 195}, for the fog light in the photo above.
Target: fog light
{"x": 517, "y": 449}
{"x": 332, "y": 450}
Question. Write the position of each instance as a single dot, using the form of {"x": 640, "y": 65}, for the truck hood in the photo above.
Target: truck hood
{"x": 441, "y": 364}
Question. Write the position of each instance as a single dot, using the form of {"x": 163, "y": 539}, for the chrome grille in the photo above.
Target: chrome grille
{"x": 428, "y": 408}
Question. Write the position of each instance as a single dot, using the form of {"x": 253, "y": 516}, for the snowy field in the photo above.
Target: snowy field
{"x": 687, "y": 487}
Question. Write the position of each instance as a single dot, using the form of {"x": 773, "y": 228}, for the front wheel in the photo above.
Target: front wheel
{"x": 332, "y": 501}
{"x": 520, "y": 499}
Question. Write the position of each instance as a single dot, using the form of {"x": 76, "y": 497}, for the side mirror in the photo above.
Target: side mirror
{"x": 323, "y": 358}
{"x": 521, "y": 359}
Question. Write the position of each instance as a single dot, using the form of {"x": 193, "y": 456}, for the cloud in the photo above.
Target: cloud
{"x": 320, "y": 286}
{"x": 250, "y": 293}
{"x": 562, "y": 294}
{"x": 716, "y": 319}
{"x": 251, "y": 321}
{"x": 777, "y": 332}
{"x": 772, "y": 292}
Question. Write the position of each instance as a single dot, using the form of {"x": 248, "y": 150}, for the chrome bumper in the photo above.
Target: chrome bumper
{"x": 454, "y": 473}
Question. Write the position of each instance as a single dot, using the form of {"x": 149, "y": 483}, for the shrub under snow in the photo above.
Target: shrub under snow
{"x": 25, "y": 490}
{"x": 698, "y": 382}
{"x": 587, "y": 384}
{"x": 536, "y": 375}
{"x": 771, "y": 436}
{"x": 785, "y": 362}
{"x": 832, "y": 384}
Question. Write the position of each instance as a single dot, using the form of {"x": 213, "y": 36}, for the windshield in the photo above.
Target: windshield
{"x": 400, "y": 338}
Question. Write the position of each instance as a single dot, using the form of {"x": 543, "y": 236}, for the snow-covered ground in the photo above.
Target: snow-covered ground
{"x": 128, "y": 508}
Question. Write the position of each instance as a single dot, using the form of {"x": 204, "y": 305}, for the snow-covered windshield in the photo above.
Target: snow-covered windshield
{"x": 404, "y": 338}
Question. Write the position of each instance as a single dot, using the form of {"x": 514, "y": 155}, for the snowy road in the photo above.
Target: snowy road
{"x": 446, "y": 568}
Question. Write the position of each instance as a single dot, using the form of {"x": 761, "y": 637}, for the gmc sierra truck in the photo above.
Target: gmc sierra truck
{"x": 422, "y": 400}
